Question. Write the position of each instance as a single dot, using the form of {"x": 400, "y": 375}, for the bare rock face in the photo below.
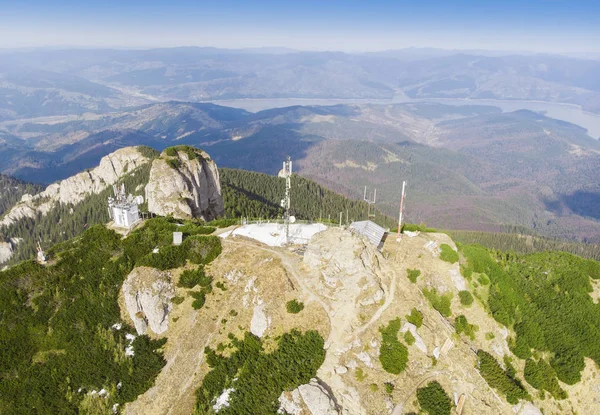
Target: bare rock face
{"x": 75, "y": 188}
{"x": 148, "y": 293}
{"x": 184, "y": 182}
{"x": 6, "y": 251}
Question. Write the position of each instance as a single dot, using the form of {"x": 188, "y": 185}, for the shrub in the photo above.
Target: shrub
{"x": 448, "y": 254}
{"x": 499, "y": 379}
{"x": 199, "y": 299}
{"x": 440, "y": 302}
{"x": 171, "y": 152}
{"x": 148, "y": 152}
{"x": 202, "y": 249}
{"x": 413, "y": 274}
{"x": 177, "y": 300}
{"x": 409, "y": 338}
{"x": 415, "y": 317}
{"x": 191, "y": 278}
{"x": 461, "y": 325}
{"x": 466, "y": 298}
{"x": 393, "y": 355}
{"x": 168, "y": 257}
{"x": 541, "y": 376}
{"x": 173, "y": 163}
{"x": 434, "y": 400}
{"x": 221, "y": 285}
{"x": 260, "y": 377}
{"x": 294, "y": 306}
{"x": 389, "y": 387}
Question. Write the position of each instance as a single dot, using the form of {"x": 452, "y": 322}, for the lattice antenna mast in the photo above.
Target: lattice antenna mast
{"x": 401, "y": 213}
{"x": 371, "y": 199}
{"x": 286, "y": 202}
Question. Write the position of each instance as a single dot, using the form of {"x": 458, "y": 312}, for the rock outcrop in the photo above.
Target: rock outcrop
{"x": 75, "y": 188}
{"x": 147, "y": 293}
{"x": 184, "y": 182}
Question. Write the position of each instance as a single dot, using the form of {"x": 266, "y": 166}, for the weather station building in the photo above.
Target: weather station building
{"x": 123, "y": 210}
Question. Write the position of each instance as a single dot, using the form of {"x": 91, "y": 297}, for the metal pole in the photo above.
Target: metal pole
{"x": 401, "y": 213}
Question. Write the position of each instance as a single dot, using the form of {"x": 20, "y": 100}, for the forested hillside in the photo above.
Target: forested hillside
{"x": 525, "y": 243}
{"x": 245, "y": 194}
{"x": 12, "y": 189}
{"x": 64, "y": 346}
{"x": 257, "y": 195}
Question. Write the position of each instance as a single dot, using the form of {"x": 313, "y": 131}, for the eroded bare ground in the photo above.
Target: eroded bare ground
{"x": 350, "y": 290}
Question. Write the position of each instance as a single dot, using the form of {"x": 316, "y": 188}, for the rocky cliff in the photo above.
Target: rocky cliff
{"x": 184, "y": 182}
{"x": 75, "y": 188}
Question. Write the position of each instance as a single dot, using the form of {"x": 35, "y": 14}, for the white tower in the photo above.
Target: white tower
{"x": 286, "y": 172}
{"x": 401, "y": 214}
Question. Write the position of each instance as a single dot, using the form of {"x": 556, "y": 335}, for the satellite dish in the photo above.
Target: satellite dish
{"x": 292, "y": 219}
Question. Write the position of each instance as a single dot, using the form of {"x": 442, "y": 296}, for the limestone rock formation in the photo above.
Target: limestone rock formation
{"x": 184, "y": 182}
{"x": 147, "y": 293}
{"x": 75, "y": 188}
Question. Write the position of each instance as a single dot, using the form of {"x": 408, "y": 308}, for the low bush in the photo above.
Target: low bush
{"x": 440, "y": 302}
{"x": 448, "y": 254}
{"x": 465, "y": 297}
{"x": 415, "y": 317}
{"x": 434, "y": 400}
{"x": 461, "y": 325}
{"x": 393, "y": 355}
{"x": 294, "y": 306}
{"x": 413, "y": 274}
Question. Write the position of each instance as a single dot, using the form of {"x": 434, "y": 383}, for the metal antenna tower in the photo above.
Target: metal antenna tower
{"x": 286, "y": 202}
{"x": 370, "y": 203}
{"x": 401, "y": 214}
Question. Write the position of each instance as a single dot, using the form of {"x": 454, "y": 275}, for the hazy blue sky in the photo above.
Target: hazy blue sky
{"x": 544, "y": 26}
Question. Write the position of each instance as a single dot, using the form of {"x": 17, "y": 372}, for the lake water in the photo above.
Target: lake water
{"x": 565, "y": 112}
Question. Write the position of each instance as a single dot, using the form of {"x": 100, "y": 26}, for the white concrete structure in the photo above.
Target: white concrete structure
{"x": 123, "y": 210}
{"x": 177, "y": 238}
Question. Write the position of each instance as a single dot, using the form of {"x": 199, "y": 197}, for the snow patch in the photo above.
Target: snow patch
{"x": 260, "y": 322}
{"x": 273, "y": 234}
{"x": 223, "y": 400}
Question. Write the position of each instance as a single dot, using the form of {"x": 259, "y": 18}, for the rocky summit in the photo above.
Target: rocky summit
{"x": 184, "y": 183}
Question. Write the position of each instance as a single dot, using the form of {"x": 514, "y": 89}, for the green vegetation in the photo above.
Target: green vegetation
{"x": 413, "y": 274}
{"x": 174, "y": 163}
{"x": 66, "y": 221}
{"x": 411, "y": 227}
{"x": 359, "y": 374}
{"x": 223, "y": 223}
{"x": 199, "y": 299}
{"x": 393, "y": 355}
{"x": 257, "y": 377}
{"x": 389, "y": 387}
{"x": 191, "y": 278}
{"x": 409, "y": 338}
{"x": 57, "y": 331}
{"x": 541, "y": 376}
{"x": 466, "y": 298}
{"x": 545, "y": 298}
{"x": 11, "y": 191}
{"x": 523, "y": 243}
{"x": 434, "y": 400}
{"x": 148, "y": 152}
{"x": 257, "y": 195}
{"x": 448, "y": 254}
{"x": 500, "y": 379}
{"x": 438, "y": 301}
{"x": 461, "y": 325}
{"x": 294, "y": 306}
{"x": 415, "y": 317}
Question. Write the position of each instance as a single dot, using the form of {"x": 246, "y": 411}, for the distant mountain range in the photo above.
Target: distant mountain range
{"x": 57, "y": 82}
{"x": 469, "y": 167}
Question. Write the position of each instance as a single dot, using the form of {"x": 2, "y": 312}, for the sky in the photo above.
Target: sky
{"x": 550, "y": 26}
